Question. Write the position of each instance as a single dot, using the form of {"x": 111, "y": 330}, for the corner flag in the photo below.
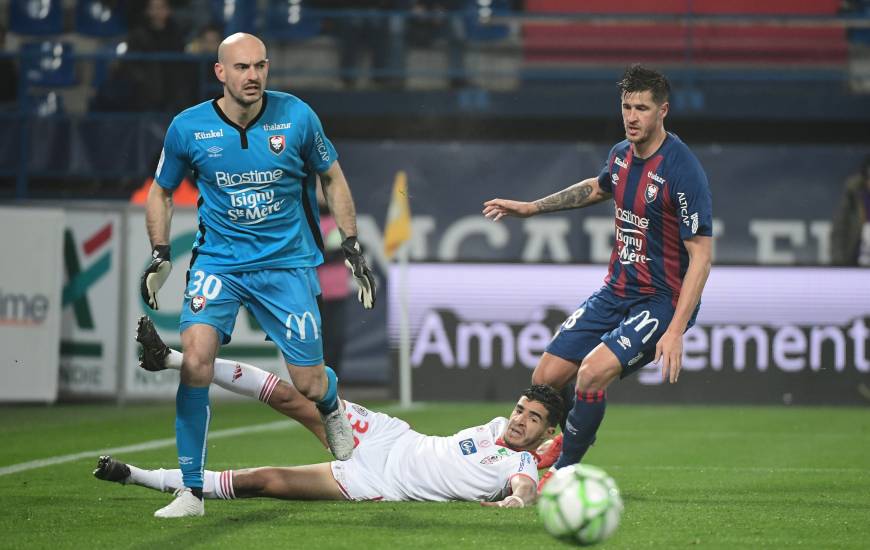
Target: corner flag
{"x": 397, "y": 229}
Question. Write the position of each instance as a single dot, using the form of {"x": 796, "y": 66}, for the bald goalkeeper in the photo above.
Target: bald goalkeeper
{"x": 256, "y": 155}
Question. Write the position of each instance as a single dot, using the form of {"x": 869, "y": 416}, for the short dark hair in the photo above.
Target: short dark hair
{"x": 638, "y": 78}
{"x": 549, "y": 398}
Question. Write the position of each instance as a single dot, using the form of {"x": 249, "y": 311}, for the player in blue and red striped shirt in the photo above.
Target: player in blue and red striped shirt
{"x": 658, "y": 268}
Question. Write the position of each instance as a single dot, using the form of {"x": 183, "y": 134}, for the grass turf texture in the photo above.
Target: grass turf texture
{"x": 710, "y": 477}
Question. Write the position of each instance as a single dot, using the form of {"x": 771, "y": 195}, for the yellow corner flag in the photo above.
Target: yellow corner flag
{"x": 398, "y": 227}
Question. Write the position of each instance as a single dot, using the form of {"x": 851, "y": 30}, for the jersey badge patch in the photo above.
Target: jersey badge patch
{"x": 467, "y": 446}
{"x": 197, "y": 304}
{"x": 652, "y": 191}
{"x": 277, "y": 144}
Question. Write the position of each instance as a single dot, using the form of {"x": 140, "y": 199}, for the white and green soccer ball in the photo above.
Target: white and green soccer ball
{"x": 580, "y": 504}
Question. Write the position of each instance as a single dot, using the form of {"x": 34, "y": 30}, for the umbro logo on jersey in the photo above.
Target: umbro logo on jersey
{"x": 277, "y": 126}
{"x": 276, "y": 144}
{"x": 214, "y": 151}
{"x": 208, "y": 134}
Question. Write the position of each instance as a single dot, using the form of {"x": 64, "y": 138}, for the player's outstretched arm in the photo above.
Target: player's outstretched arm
{"x": 579, "y": 195}
{"x": 670, "y": 346}
{"x": 523, "y": 493}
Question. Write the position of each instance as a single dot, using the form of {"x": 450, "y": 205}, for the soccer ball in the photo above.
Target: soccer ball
{"x": 580, "y": 504}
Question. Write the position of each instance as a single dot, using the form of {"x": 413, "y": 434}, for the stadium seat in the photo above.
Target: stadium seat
{"x": 36, "y": 17}
{"x": 289, "y": 20}
{"x": 477, "y": 16}
{"x": 234, "y": 15}
{"x": 48, "y": 63}
{"x": 100, "y": 18}
{"x": 45, "y": 105}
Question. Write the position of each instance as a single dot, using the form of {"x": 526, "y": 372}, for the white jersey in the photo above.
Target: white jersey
{"x": 393, "y": 462}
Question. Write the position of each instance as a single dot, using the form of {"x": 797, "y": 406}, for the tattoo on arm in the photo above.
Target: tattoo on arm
{"x": 578, "y": 195}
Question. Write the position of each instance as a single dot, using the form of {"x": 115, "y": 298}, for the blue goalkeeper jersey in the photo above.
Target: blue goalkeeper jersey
{"x": 258, "y": 204}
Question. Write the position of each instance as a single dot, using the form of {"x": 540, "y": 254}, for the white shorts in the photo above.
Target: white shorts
{"x": 363, "y": 477}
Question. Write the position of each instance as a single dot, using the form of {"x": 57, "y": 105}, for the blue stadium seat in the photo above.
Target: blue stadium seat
{"x": 477, "y": 15}
{"x": 234, "y": 15}
{"x": 45, "y": 105}
{"x": 100, "y": 18}
{"x": 36, "y": 17}
{"x": 48, "y": 63}
{"x": 289, "y": 20}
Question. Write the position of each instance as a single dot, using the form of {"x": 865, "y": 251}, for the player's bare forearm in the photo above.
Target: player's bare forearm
{"x": 158, "y": 214}
{"x": 579, "y": 195}
{"x": 340, "y": 201}
{"x": 700, "y": 251}
{"x": 523, "y": 493}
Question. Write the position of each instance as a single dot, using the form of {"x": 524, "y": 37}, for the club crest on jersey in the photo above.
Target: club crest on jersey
{"x": 652, "y": 191}
{"x": 197, "y": 303}
{"x": 467, "y": 446}
{"x": 276, "y": 144}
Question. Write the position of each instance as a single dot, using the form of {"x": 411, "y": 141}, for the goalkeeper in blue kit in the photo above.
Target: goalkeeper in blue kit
{"x": 256, "y": 155}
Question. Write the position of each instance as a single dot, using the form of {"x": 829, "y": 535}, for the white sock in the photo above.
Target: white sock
{"x": 173, "y": 360}
{"x": 244, "y": 379}
{"x": 236, "y": 377}
{"x": 215, "y": 484}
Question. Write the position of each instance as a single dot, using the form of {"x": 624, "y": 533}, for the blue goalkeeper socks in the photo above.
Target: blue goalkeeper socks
{"x": 583, "y": 422}
{"x": 192, "y": 415}
{"x": 330, "y": 399}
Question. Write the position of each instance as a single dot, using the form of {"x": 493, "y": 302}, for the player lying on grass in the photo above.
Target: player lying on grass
{"x": 495, "y": 462}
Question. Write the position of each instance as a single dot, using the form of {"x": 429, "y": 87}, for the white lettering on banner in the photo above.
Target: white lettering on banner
{"x": 631, "y": 244}
{"x": 776, "y": 241}
{"x": 253, "y": 205}
{"x": 627, "y": 215}
{"x": 254, "y": 177}
{"x": 768, "y": 232}
{"x": 208, "y": 134}
{"x": 463, "y": 343}
{"x": 299, "y": 322}
{"x": 22, "y": 309}
{"x": 523, "y": 342}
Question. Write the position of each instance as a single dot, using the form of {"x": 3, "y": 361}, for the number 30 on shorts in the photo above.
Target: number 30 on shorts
{"x": 207, "y": 285}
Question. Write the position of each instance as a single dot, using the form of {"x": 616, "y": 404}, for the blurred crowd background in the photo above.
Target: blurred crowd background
{"x": 86, "y": 83}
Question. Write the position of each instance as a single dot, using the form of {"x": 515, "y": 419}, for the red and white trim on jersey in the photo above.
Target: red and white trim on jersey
{"x": 225, "y": 485}
{"x": 268, "y": 387}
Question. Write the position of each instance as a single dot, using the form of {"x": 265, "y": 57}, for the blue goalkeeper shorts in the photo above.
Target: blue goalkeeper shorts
{"x": 283, "y": 301}
{"x": 629, "y": 327}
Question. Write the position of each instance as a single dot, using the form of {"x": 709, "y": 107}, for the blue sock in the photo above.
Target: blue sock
{"x": 330, "y": 399}
{"x": 192, "y": 415}
{"x": 583, "y": 422}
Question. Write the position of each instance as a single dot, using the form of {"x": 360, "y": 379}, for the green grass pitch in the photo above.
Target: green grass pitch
{"x": 705, "y": 477}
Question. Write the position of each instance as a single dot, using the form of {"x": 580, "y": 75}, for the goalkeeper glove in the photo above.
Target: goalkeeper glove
{"x": 364, "y": 277}
{"x": 155, "y": 275}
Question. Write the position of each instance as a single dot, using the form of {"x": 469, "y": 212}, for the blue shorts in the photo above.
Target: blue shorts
{"x": 283, "y": 301}
{"x": 629, "y": 327}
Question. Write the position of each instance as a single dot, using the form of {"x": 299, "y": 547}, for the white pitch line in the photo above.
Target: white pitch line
{"x": 145, "y": 446}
